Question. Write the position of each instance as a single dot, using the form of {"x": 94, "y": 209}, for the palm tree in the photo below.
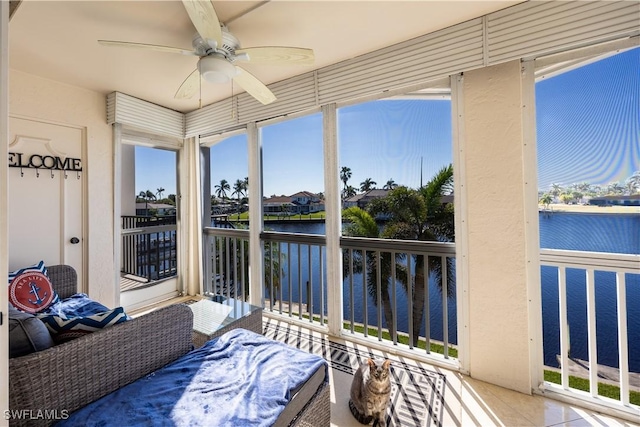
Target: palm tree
{"x": 238, "y": 190}
{"x": 345, "y": 175}
{"x": 546, "y": 200}
{"x": 421, "y": 215}
{"x": 390, "y": 185}
{"x": 150, "y": 195}
{"x": 284, "y": 209}
{"x": 362, "y": 224}
{"x": 633, "y": 183}
{"x": 222, "y": 188}
{"x": 350, "y": 192}
{"x": 556, "y": 190}
{"x": 159, "y": 192}
{"x": 367, "y": 184}
{"x": 615, "y": 188}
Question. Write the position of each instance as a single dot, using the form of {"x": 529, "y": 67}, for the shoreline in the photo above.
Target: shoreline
{"x": 560, "y": 208}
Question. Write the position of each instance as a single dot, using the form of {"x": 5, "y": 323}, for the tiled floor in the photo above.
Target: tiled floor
{"x": 469, "y": 402}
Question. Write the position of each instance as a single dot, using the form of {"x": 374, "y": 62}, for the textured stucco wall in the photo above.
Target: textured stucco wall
{"x": 498, "y": 319}
{"x": 48, "y": 100}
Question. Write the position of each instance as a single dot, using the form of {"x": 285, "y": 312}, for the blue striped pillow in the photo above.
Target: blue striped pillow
{"x": 63, "y": 329}
{"x": 40, "y": 267}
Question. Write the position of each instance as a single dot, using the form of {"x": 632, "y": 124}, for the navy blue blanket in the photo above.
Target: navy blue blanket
{"x": 239, "y": 379}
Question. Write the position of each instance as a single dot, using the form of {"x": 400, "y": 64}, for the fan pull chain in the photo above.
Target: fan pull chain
{"x": 233, "y": 104}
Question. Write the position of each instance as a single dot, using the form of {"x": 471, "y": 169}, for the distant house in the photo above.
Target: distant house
{"x": 632, "y": 200}
{"x": 277, "y": 205}
{"x": 363, "y": 199}
{"x": 160, "y": 209}
{"x": 303, "y": 202}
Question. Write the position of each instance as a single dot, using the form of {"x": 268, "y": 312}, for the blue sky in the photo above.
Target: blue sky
{"x": 588, "y": 123}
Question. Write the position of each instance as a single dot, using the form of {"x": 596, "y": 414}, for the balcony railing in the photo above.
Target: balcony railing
{"x": 149, "y": 247}
{"x": 588, "y": 291}
{"x": 410, "y": 301}
{"x": 295, "y": 276}
{"x": 401, "y": 292}
{"x": 226, "y": 263}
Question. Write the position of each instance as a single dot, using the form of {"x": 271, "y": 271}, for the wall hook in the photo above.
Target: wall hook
{"x": 21, "y": 173}
{"x": 37, "y": 173}
{"x": 65, "y": 174}
{"x": 51, "y": 173}
{"x": 78, "y": 175}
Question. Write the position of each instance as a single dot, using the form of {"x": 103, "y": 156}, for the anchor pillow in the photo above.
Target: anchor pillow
{"x": 30, "y": 289}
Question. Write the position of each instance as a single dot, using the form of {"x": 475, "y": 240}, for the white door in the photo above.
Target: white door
{"x": 46, "y": 180}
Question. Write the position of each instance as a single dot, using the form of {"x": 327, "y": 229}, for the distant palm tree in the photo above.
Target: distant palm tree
{"x": 350, "y": 191}
{"x": 345, "y": 175}
{"x": 367, "y": 184}
{"x": 284, "y": 208}
{"x": 150, "y": 195}
{"x": 633, "y": 183}
{"x": 390, "y": 185}
{"x": 615, "y": 188}
{"x": 546, "y": 200}
{"x": 238, "y": 189}
{"x": 556, "y": 190}
{"x": 159, "y": 192}
{"x": 222, "y": 188}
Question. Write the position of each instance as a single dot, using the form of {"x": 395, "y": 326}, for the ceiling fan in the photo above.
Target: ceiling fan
{"x": 219, "y": 50}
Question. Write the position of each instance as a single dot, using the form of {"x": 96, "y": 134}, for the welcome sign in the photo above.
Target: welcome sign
{"x": 38, "y": 161}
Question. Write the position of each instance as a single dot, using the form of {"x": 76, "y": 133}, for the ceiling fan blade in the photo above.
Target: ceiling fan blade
{"x": 189, "y": 86}
{"x": 204, "y": 18}
{"x": 155, "y": 47}
{"x": 278, "y": 55}
{"x": 254, "y": 87}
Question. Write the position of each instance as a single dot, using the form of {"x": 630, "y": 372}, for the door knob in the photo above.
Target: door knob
{"x": 74, "y": 240}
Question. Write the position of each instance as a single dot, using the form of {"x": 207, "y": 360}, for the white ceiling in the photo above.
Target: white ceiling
{"x": 58, "y": 39}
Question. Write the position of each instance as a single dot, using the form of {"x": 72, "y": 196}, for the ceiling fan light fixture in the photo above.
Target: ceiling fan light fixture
{"x": 215, "y": 69}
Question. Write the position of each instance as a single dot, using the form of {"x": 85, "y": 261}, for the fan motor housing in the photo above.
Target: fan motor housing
{"x": 229, "y": 45}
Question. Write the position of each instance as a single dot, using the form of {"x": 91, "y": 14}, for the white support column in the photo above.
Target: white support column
{"x": 4, "y": 198}
{"x": 256, "y": 253}
{"x": 117, "y": 206}
{"x": 333, "y": 222}
{"x": 461, "y": 220}
{"x": 532, "y": 221}
{"x": 498, "y": 274}
{"x": 189, "y": 217}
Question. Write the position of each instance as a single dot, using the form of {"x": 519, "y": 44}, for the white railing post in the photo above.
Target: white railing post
{"x": 591, "y": 332}
{"x": 333, "y": 220}
{"x": 623, "y": 350}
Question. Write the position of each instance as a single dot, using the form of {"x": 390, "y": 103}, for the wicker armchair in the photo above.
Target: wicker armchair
{"x": 69, "y": 376}
{"x": 66, "y": 377}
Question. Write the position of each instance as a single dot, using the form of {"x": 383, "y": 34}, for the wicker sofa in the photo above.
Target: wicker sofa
{"x": 68, "y": 376}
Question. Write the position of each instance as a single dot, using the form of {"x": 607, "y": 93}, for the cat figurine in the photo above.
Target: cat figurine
{"x": 371, "y": 392}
